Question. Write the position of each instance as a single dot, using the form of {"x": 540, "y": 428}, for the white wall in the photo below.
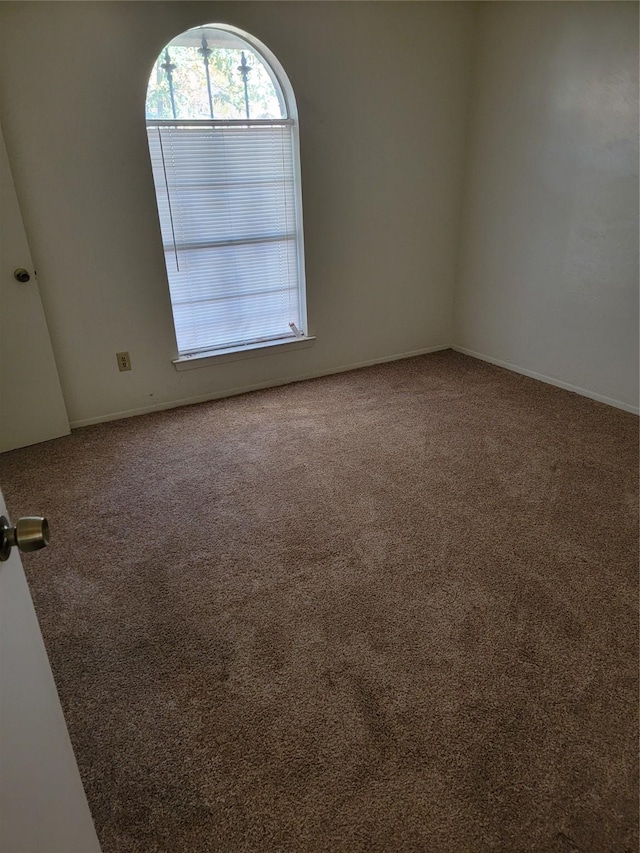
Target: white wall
{"x": 548, "y": 274}
{"x": 381, "y": 90}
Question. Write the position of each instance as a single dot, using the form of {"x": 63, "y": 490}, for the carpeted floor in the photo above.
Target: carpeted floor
{"x": 390, "y": 610}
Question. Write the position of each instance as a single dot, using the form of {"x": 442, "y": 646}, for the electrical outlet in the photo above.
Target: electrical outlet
{"x": 124, "y": 361}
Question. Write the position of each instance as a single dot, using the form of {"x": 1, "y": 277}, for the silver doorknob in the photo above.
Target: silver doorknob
{"x": 22, "y": 275}
{"x": 29, "y": 534}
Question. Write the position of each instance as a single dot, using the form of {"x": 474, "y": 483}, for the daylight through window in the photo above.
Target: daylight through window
{"x": 223, "y": 139}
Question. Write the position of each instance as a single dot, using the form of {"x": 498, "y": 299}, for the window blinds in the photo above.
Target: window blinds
{"x": 227, "y": 207}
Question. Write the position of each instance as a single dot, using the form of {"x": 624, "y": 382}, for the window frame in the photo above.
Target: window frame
{"x": 285, "y": 94}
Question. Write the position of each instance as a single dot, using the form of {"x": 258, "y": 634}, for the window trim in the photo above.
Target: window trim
{"x": 207, "y": 359}
{"x": 284, "y": 89}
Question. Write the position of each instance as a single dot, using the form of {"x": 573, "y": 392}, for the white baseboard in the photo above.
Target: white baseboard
{"x": 232, "y": 392}
{"x": 584, "y": 392}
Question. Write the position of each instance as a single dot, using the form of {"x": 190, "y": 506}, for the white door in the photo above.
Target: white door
{"x": 43, "y": 808}
{"x": 32, "y": 408}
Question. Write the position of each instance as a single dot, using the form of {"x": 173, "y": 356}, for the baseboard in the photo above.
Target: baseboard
{"x": 584, "y": 392}
{"x": 245, "y": 389}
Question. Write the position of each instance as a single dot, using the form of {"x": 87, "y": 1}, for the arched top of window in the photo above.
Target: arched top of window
{"x": 216, "y": 72}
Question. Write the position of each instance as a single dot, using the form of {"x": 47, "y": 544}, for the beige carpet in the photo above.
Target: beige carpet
{"x": 389, "y": 610}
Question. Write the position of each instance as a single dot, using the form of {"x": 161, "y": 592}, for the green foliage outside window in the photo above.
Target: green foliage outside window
{"x": 227, "y": 87}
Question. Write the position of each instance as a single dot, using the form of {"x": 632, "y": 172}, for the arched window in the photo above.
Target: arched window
{"x": 223, "y": 137}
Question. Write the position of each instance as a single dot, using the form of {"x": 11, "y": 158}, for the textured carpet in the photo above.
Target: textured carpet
{"x": 389, "y": 610}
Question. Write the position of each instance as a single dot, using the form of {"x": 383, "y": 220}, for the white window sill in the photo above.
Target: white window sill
{"x": 206, "y": 359}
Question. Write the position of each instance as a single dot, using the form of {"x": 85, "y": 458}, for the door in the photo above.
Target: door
{"x": 32, "y": 407}
{"x": 43, "y": 808}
